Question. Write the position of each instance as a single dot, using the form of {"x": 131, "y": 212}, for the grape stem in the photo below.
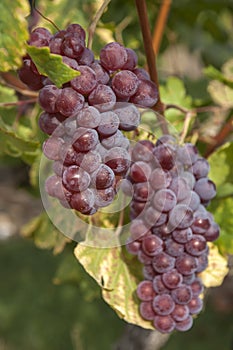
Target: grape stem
{"x": 151, "y": 59}
{"x": 202, "y": 109}
{"x": 220, "y": 138}
{"x": 188, "y": 117}
{"x": 18, "y": 103}
{"x": 160, "y": 24}
{"x": 92, "y": 26}
{"x": 121, "y": 219}
{"x": 43, "y": 16}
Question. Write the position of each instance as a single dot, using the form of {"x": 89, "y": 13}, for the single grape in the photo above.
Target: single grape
{"x": 205, "y": 188}
{"x": 138, "y": 229}
{"x": 78, "y": 30}
{"x": 108, "y": 125}
{"x": 140, "y": 172}
{"x": 141, "y": 73}
{"x": 153, "y": 217}
{"x": 212, "y": 233}
{"x": 182, "y": 236}
{"x": 118, "y": 160}
{"x": 195, "y": 305}
{"x": 142, "y": 151}
{"x": 164, "y": 200}
{"x": 148, "y": 272}
{"x": 182, "y": 294}
{"x": 160, "y": 179}
{"x": 144, "y": 258}
{"x": 88, "y": 117}
{"x": 129, "y": 117}
{"x": 152, "y": 245}
{"x": 146, "y": 310}
{"x": 132, "y": 59}
{"x": 85, "y": 140}
{"x": 145, "y": 291}
{"x": 83, "y": 201}
{"x": 164, "y": 324}
{"x": 180, "y": 312}
{"x": 173, "y": 248}
{"x": 181, "y": 217}
{"x": 69, "y": 102}
{"x": 103, "y": 177}
{"x": 91, "y": 161}
{"x": 192, "y": 200}
{"x": 125, "y": 83}
{"x": 102, "y": 97}
{"x": 188, "y": 279}
{"x": 47, "y": 98}
{"x": 72, "y": 45}
{"x": 146, "y": 94}
{"x": 180, "y": 187}
{"x": 85, "y": 82}
{"x": 163, "y": 304}
{"x": 163, "y": 262}
{"x": 87, "y": 57}
{"x": 102, "y": 75}
{"x": 39, "y": 37}
{"x": 186, "y": 264}
{"x": 196, "y": 245}
{"x": 159, "y": 286}
{"x": 138, "y": 207}
{"x": 187, "y": 154}
{"x": 184, "y": 325}
{"x": 75, "y": 179}
{"x": 70, "y": 62}
{"x": 200, "y": 168}
{"x": 29, "y": 77}
{"x": 172, "y": 279}
{"x": 115, "y": 140}
{"x": 197, "y": 287}
{"x": 201, "y": 223}
{"x": 142, "y": 192}
{"x": 113, "y": 56}
{"x": 202, "y": 262}
{"x": 104, "y": 197}
{"x": 164, "y": 156}
{"x": 48, "y": 122}
{"x": 51, "y": 147}
{"x": 133, "y": 247}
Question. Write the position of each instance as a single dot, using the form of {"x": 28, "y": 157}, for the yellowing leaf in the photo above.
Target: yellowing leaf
{"x": 117, "y": 277}
{"x": 13, "y": 33}
{"x": 51, "y": 65}
{"x": 217, "y": 268}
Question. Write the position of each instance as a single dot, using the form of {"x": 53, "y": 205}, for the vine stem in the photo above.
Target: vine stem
{"x": 43, "y": 16}
{"x": 160, "y": 24}
{"x": 92, "y": 27}
{"x": 151, "y": 59}
{"x": 18, "y": 103}
{"x": 226, "y": 130}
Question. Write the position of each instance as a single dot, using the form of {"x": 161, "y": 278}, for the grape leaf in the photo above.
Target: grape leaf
{"x": 51, "y": 65}
{"x": 44, "y": 234}
{"x": 221, "y": 170}
{"x": 117, "y": 277}
{"x": 174, "y": 93}
{"x": 16, "y": 146}
{"x": 221, "y": 93}
{"x": 217, "y": 268}
{"x": 14, "y": 33}
{"x": 224, "y": 77}
{"x": 222, "y": 210}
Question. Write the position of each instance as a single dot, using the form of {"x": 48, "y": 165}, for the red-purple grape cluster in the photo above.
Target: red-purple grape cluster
{"x": 170, "y": 229}
{"x": 88, "y": 147}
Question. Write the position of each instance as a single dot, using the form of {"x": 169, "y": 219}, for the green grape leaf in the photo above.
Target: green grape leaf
{"x": 174, "y": 92}
{"x": 118, "y": 277}
{"x": 71, "y": 272}
{"x": 14, "y": 33}
{"x": 222, "y": 209}
{"x": 221, "y": 93}
{"x": 16, "y": 146}
{"x": 224, "y": 77}
{"x": 44, "y": 234}
{"x": 51, "y": 65}
{"x": 217, "y": 268}
{"x": 221, "y": 170}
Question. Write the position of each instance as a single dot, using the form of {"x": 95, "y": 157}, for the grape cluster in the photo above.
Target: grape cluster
{"x": 85, "y": 117}
{"x": 170, "y": 229}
